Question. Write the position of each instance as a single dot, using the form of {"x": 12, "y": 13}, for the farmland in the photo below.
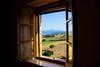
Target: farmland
{"x": 58, "y": 44}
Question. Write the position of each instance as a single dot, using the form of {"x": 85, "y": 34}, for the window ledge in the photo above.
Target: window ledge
{"x": 43, "y": 63}
{"x": 53, "y": 60}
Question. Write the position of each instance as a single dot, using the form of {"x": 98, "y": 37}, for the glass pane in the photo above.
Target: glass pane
{"x": 53, "y": 31}
{"x": 70, "y": 35}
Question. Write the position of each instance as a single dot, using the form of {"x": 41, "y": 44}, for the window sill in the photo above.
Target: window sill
{"x": 58, "y": 61}
{"x": 43, "y": 63}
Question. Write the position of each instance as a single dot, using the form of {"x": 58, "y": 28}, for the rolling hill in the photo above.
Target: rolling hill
{"x": 52, "y": 32}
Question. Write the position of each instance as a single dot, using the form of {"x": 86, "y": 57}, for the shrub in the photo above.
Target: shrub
{"x": 47, "y": 53}
{"x": 62, "y": 57}
{"x": 43, "y": 40}
{"x": 51, "y": 46}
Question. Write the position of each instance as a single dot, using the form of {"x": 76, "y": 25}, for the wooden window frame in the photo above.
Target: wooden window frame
{"x": 42, "y": 10}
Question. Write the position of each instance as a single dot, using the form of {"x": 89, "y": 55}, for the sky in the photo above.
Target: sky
{"x": 55, "y": 21}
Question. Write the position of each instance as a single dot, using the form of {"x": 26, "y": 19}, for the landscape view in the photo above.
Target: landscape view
{"x": 54, "y": 36}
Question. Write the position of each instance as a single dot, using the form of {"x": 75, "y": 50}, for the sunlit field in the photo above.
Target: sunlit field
{"x": 57, "y": 45}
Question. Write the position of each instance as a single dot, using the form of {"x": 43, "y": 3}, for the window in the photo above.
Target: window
{"x": 53, "y": 35}
{"x": 48, "y": 34}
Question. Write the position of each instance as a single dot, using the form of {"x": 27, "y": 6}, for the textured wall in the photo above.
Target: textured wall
{"x": 25, "y": 29}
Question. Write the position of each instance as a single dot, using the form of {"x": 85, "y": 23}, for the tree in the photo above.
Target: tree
{"x": 62, "y": 57}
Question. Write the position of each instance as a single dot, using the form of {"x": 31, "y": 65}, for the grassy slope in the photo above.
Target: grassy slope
{"x": 60, "y": 46}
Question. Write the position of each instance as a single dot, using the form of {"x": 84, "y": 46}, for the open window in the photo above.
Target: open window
{"x": 40, "y": 37}
{"x": 55, "y": 34}
{"x": 56, "y": 39}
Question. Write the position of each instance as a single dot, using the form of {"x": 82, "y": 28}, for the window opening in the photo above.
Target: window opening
{"x": 53, "y": 35}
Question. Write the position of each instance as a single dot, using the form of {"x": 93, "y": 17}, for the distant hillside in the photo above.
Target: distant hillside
{"x": 52, "y": 32}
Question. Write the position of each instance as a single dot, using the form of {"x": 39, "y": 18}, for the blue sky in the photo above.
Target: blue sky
{"x": 55, "y": 21}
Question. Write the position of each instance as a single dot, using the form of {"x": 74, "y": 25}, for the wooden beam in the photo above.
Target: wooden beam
{"x": 46, "y": 12}
{"x": 51, "y": 5}
{"x": 67, "y": 35}
{"x": 36, "y": 34}
{"x": 75, "y": 32}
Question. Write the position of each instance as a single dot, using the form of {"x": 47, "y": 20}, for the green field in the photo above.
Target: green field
{"x": 59, "y": 49}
